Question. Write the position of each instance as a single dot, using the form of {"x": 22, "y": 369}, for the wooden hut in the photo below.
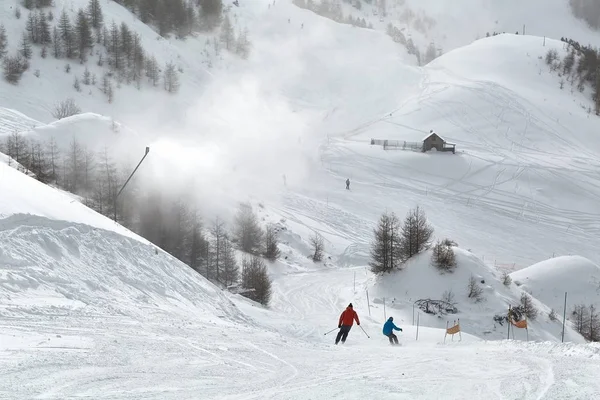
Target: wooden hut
{"x": 435, "y": 141}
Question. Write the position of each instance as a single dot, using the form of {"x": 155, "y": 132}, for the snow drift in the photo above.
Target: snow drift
{"x": 548, "y": 281}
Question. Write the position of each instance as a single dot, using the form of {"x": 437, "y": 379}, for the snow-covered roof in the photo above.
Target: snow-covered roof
{"x": 433, "y": 133}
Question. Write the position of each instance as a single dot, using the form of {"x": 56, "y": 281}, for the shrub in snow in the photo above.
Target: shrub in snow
{"x": 443, "y": 257}
{"x": 552, "y": 315}
{"x": 449, "y": 243}
{"x": 527, "y": 306}
{"x": 474, "y": 291}
{"x": 14, "y": 66}
{"x": 448, "y": 297}
{"x": 318, "y": 245}
{"x": 66, "y": 108}
{"x": 506, "y": 279}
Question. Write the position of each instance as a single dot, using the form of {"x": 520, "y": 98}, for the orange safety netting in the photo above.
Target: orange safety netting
{"x": 519, "y": 324}
{"x": 453, "y": 330}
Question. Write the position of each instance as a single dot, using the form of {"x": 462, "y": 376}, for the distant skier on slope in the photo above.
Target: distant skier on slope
{"x": 345, "y": 323}
{"x": 348, "y": 184}
{"x": 388, "y": 330}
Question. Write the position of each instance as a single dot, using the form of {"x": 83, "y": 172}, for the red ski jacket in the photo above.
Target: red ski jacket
{"x": 348, "y": 316}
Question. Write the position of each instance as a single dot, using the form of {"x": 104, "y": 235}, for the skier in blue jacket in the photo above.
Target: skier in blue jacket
{"x": 388, "y": 330}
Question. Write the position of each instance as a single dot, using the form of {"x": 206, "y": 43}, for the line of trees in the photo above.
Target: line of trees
{"x": 115, "y": 45}
{"x": 332, "y": 9}
{"x": 165, "y": 219}
{"x": 177, "y": 16}
{"x": 579, "y": 67}
{"x": 586, "y": 321}
{"x": 431, "y": 53}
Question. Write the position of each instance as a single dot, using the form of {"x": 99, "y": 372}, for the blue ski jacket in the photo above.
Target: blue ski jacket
{"x": 389, "y": 327}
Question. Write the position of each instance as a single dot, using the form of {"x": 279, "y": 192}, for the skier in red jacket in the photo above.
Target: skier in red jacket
{"x": 345, "y": 323}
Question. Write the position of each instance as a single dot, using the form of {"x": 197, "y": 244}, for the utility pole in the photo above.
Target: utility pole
{"x": 127, "y": 181}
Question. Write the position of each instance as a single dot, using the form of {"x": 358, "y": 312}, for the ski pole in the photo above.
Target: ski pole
{"x": 330, "y": 331}
{"x": 365, "y": 332}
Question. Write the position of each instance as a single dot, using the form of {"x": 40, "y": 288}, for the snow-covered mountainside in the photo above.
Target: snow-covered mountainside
{"x": 420, "y": 280}
{"x": 90, "y": 309}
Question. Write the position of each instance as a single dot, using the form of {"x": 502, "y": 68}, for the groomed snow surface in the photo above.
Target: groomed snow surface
{"x": 88, "y": 309}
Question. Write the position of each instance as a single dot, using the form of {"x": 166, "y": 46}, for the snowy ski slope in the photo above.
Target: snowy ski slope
{"x": 91, "y": 310}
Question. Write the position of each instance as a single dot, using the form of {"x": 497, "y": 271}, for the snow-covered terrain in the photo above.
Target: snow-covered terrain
{"x": 549, "y": 280}
{"x": 89, "y": 309}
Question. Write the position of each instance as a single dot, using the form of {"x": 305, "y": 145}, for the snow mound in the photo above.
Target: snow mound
{"x": 94, "y": 131}
{"x": 548, "y": 281}
{"x": 27, "y": 196}
{"x": 57, "y": 267}
{"x": 420, "y": 280}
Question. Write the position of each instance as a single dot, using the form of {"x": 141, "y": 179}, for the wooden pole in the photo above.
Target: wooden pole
{"x": 368, "y": 303}
{"x": 562, "y": 339}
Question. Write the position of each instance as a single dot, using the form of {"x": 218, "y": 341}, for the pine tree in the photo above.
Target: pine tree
{"x": 272, "y": 251}
{"x": 44, "y": 30}
{"x": 416, "y": 233}
{"x": 171, "y": 78}
{"x": 152, "y": 70}
{"x": 54, "y": 160}
{"x": 197, "y": 242}
{"x": 57, "y": 48}
{"x": 443, "y": 257}
{"x": 110, "y": 93}
{"x": 227, "y": 35}
{"x": 32, "y": 27}
{"x": 386, "y": 246}
{"x": 94, "y": 13}
{"x": 597, "y": 91}
{"x": 431, "y": 53}
{"x": 76, "y": 84}
{"x": 85, "y": 39}
{"x": 138, "y": 59}
{"x": 75, "y": 167}
{"x": 25, "y": 49}
{"x": 256, "y": 280}
{"x": 126, "y": 43}
{"x": 243, "y": 45}
{"x": 87, "y": 76}
{"x": 67, "y": 35}
{"x": 230, "y": 270}
{"x": 3, "y": 41}
{"x": 219, "y": 236}
{"x": 115, "y": 47}
{"x": 569, "y": 62}
{"x": 248, "y": 232}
